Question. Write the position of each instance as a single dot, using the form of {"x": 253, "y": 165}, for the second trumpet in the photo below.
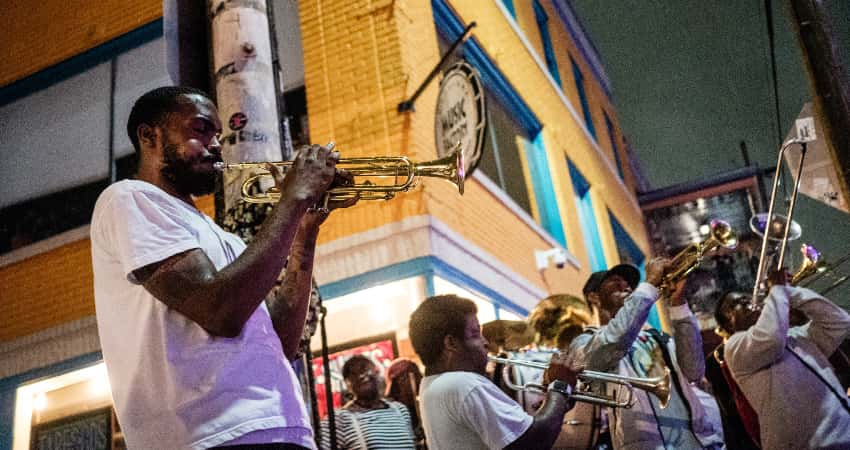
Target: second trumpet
{"x": 658, "y": 386}
{"x": 375, "y": 177}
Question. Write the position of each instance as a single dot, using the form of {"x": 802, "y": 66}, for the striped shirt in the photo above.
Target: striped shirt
{"x": 385, "y": 428}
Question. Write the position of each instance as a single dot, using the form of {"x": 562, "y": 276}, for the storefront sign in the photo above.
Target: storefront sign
{"x": 461, "y": 114}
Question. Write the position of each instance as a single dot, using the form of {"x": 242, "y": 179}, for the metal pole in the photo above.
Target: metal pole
{"x": 791, "y": 207}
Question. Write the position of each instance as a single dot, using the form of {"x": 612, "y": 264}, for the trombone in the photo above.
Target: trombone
{"x": 658, "y": 386}
{"x": 770, "y": 225}
{"x": 375, "y": 177}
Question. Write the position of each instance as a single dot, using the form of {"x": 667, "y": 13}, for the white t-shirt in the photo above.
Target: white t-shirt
{"x": 174, "y": 385}
{"x": 465, "y": 410}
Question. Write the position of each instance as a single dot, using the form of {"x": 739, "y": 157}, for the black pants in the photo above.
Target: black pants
{"x": 262, "y": 447}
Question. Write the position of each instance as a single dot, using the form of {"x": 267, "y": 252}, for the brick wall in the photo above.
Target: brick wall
{"x": 40, "y": 34}
{"x": 46, "y": 290}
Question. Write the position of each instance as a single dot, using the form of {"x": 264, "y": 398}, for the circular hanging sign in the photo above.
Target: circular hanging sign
{"x": 461, "y": 115}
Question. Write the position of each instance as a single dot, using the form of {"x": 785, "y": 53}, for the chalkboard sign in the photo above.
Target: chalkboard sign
{"x": 89, "y": 431}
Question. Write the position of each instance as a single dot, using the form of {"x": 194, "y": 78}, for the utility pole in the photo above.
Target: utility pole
{"x": 243, "y": 78}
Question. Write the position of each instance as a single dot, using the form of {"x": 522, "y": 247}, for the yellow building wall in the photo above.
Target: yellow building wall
{"x": 46, "y": 290}
{"x": 40, "y": 34}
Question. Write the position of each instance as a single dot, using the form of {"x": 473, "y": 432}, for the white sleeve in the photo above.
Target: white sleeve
{"x": 497, "y": 418}
{"x": 763, "y": 343}
{"x": 140, "y": 228}
{"x": 829, "y": 323}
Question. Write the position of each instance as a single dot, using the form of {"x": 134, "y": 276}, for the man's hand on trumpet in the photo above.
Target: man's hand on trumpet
{"x": 559, "y": 369}
{"x": 656, "y": 269}
{"x": 313, "y": 171}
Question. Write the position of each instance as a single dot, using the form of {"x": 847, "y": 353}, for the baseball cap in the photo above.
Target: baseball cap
{"x": 629, "y": 273}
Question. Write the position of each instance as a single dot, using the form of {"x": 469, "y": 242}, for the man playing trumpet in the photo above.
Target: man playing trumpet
{"x": 783, "y": 370}
{"x": 183, "y": 307}
{"x": 620, "y": 346}
{"x": 461, "y": 407}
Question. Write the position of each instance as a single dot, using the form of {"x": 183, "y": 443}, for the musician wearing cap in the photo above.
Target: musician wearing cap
{"x": 461, "y": 407}
{"x": 621, "y": 345}
{"x": 782, "y": 369}
{"x": 196, "y": 348}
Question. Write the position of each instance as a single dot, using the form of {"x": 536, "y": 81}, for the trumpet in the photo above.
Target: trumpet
{"x": 720, "y": 235}
{"x": 658, "y": 386}
{"x": 375, "y": 177}
{"x": 811, "y": 265}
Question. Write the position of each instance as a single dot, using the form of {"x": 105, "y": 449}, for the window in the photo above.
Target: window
{"x": 501, "y": 158}
{"x": 509, "y": 5}
{"x": 543, "y": 25}
{"x": 612, "y": 136}
{"x": 587, "y": 219}
{"x": 582, "y": 95}
{"x": 513, "y": 131}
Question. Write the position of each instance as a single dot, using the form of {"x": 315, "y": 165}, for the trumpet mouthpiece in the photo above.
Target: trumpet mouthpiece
{"x": 219, "y": 166}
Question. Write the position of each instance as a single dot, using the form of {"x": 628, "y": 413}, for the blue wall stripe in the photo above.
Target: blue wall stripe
{"x": 427, "y": 266}
{"x": 80, "y": 63}
{"x": 450, "y": 27}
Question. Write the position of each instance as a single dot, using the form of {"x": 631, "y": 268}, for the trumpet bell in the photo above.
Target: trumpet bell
{"x": 774, "y": 229}
{"x": 811, "y": 264}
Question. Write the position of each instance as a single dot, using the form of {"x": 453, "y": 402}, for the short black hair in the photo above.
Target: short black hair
{"x": 154, "y": 106}
{"x": 436, "y": 318}
{"x": 722, "y": 320}
{"x": 349, "y": 364}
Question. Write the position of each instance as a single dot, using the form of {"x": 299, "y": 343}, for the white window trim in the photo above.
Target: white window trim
{"x": 564, "y": 100}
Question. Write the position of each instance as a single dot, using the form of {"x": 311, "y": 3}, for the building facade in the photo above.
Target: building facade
{"x": 555, "y": 172}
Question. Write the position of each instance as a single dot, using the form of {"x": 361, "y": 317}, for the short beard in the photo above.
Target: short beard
{"x": 182, "y": 176}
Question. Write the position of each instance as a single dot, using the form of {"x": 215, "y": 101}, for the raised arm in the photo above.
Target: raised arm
{"x": 603, "y": 349}
{"x": 687, "y": 337}
{"x": 763, "y": 343}
{"x": 288, "y": 306}
{"x": 221, "y": 301}
{"x": 830, "y": 324}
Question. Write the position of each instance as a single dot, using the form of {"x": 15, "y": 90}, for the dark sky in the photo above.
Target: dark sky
{"x": 692, "y": 78}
